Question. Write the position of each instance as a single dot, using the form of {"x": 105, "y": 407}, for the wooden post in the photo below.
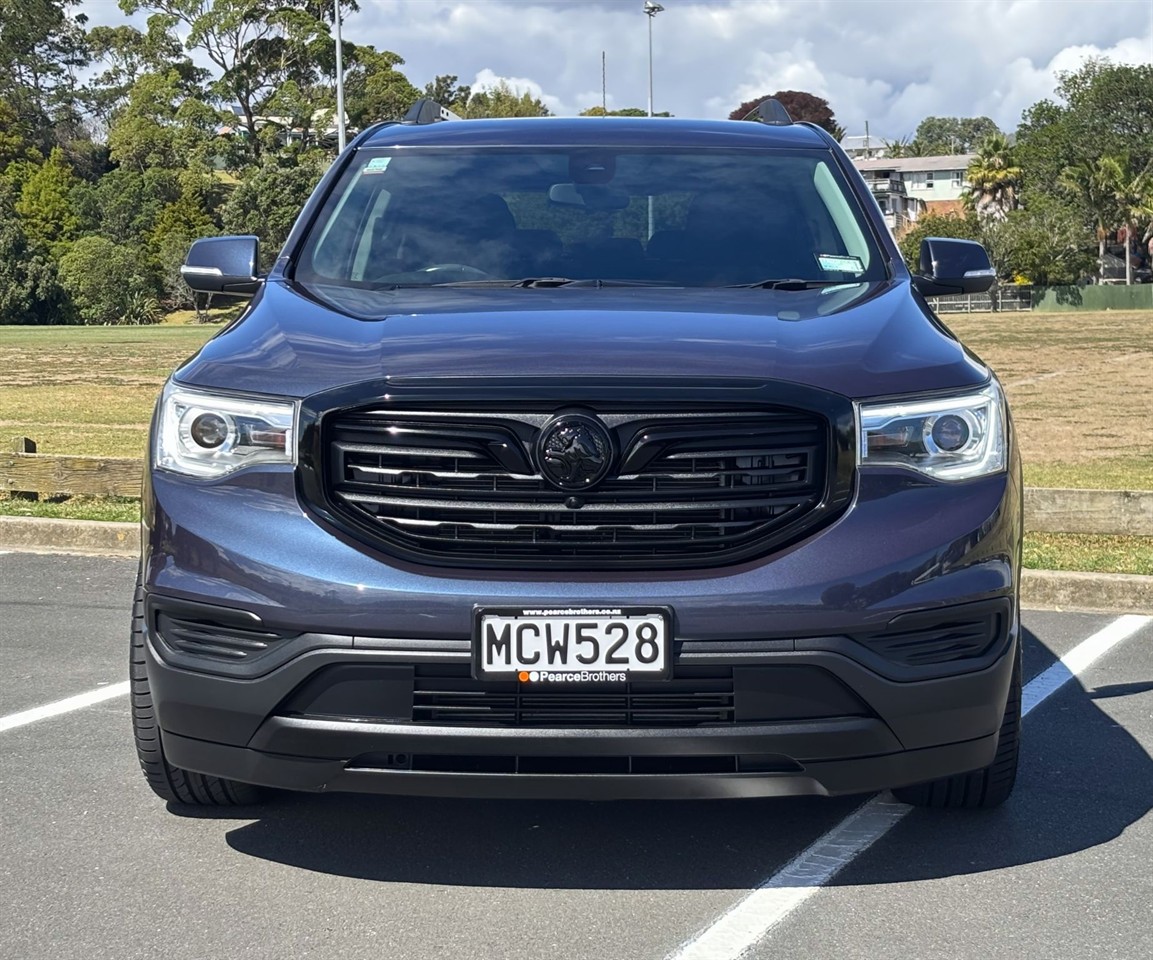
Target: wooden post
{"x": 25, "y": 445}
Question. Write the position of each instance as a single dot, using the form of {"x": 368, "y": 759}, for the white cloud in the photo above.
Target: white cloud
{"x": 889, "y": 62}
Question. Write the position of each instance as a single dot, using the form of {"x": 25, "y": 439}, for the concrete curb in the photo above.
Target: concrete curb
{"x": 1066, "y": 590}
{"x": 70, "y": 536}
{"x": 1040, "y": 589}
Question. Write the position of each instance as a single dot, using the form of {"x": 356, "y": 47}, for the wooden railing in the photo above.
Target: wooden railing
{"x": 1046, "y": 510}
{"x": 23, "y": 470}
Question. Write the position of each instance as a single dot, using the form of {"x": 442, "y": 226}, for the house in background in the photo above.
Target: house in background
{"x": 863, "y": 147}
{"x": 907, "y": 187}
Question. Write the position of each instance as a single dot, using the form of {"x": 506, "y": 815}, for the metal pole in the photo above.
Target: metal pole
{"x": 604, "y": 85}
{"x": 651, "y": 10}
{"x": 651, "y": 17}
{"x": 340, "y": 133}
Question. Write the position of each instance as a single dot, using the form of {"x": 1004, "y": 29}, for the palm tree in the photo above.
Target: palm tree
{"x": 1133, "y": 196}
{"x": 993, "y": 178}
{"x": 1093, "y": 182}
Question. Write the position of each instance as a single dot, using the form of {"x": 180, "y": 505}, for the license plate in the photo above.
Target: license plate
{"x": 572, "y": 644}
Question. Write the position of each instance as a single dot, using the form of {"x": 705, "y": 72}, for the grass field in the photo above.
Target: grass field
{"x": 1079, "y": 385}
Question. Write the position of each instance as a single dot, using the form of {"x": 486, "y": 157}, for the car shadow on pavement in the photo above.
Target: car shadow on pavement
{"x": 1083, "y": 780}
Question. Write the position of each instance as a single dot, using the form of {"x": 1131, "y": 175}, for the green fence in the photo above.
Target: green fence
{"x": 1097, "y": 297}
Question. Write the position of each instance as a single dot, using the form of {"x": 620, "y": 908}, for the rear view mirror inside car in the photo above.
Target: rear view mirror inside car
{"x": 594, "y": 196}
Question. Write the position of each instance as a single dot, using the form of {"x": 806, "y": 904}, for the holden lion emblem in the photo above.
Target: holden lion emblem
{"x": 574, "y": 452}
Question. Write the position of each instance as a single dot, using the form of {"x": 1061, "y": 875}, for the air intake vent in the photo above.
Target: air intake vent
{"x": 462, "y": 701}
{"x": 216, "y": 641}
{"x": 950, "y": 638}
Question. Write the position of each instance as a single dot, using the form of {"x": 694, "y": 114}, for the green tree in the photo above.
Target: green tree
{"x": 105, "y": 280}
{"x": 128, "y": 55}
{"x": 46, "y": 206}
{"x": 504, "y": 101}
{"x": 1090, "y": 184}
{"x": 801, "y": 106}
{"x": 942, "y": 136}
{"x": 162, "y": 124}
{"x": 446, "y": 91}
{"x": 268, "y": 201}
{"x": 178, "y": 224}
{"x": 15, "y": 141}
{"x": 257, "y": 46}
{"x": 623, "y": 112}
{"x": 374, "y": 89}
{"x": 42, "y": 49}
{"x": 937, "y": 225}
{"x": 994, "y": 179}
{"x": 1102, "y": 109}
{"x": 1133, "y": 196}
{"x": 29, "y": 290}
{"x": 1044, "y": 243}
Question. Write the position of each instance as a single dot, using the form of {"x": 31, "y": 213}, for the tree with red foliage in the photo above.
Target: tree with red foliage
{"x": 801, "y": 106}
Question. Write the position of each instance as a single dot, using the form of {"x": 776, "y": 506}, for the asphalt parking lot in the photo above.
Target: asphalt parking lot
{"x": 92, "y": 865}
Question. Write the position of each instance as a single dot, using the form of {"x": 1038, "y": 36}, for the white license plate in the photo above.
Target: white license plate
{"x": 572, "y": 644}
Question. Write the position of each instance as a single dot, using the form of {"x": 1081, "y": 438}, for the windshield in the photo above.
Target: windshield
{"x": 533, "y": 215}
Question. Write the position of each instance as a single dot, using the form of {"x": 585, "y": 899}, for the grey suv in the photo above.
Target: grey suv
{"x": 597, "y": 458}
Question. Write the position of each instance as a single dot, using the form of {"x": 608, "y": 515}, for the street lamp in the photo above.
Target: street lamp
{"x": 340, "y": 135}
{"x": 651, "y": 11}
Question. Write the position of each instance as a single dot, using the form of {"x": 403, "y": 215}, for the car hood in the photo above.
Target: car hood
{"x": 857, "y": 340}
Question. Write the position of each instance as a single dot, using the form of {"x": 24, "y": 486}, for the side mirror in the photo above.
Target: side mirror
{"x": 223, "y": 265}
{"x": 951, "y": 267}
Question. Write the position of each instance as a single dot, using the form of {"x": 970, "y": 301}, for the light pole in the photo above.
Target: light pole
{"x": 340, "y": 137}
{"x": 651, "y": 11}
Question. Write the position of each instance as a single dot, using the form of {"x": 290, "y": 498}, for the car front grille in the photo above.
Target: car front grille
{"x": 684, "y": 488}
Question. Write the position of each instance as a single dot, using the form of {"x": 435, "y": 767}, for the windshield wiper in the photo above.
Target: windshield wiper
{"x": 789, "y": 283}
{"x": 528, "y": 282}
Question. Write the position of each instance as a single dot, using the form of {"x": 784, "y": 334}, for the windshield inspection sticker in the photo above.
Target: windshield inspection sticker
{"x": 828, "y": 261}
{"x": 377, "y": 165}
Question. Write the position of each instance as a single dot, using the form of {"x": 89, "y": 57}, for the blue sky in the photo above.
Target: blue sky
{"x": 889, "y": 62}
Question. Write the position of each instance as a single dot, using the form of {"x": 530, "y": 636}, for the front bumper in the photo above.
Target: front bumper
{"x": 906, "y": 547}
{"x": 272, "y": 730}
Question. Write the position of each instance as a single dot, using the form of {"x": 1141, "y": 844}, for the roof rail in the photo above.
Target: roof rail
{"x": 770, "y": 111}
{"x": 427, "y": 110}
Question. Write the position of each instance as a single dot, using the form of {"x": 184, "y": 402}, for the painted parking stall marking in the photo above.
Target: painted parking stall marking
{"x": 751, "y": 919}
{"x": 67, "y": 705}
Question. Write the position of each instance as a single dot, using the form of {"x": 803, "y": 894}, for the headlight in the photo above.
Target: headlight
{"x": 950, "y": 438}
{"x": 209, "y": 435}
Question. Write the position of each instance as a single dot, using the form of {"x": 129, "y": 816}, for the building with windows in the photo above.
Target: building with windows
{"x": 906, "y": 187}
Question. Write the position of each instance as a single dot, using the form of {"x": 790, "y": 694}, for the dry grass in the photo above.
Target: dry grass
{"x": 1079, "y": 386}
{"x": 88, "y": 390}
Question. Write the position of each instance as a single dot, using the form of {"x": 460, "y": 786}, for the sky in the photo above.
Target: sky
{"x": 890, "y": 63}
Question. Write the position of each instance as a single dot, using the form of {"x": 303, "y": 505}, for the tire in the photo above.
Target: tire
{"x": 979, "y": 789}
{"x": 169, "y": 782}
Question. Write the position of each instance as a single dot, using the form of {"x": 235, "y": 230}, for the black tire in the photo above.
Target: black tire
{"x": 979, "y": 789}
{"x": 169, "y": 782}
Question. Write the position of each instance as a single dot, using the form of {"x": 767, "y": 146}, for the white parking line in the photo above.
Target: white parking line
{"x": 66, "y": 705}
{"x": 739, "y": 929}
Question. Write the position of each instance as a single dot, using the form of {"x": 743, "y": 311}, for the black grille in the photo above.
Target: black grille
{"x": 462, "y": 701}
{"x": 689, "y": 487}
